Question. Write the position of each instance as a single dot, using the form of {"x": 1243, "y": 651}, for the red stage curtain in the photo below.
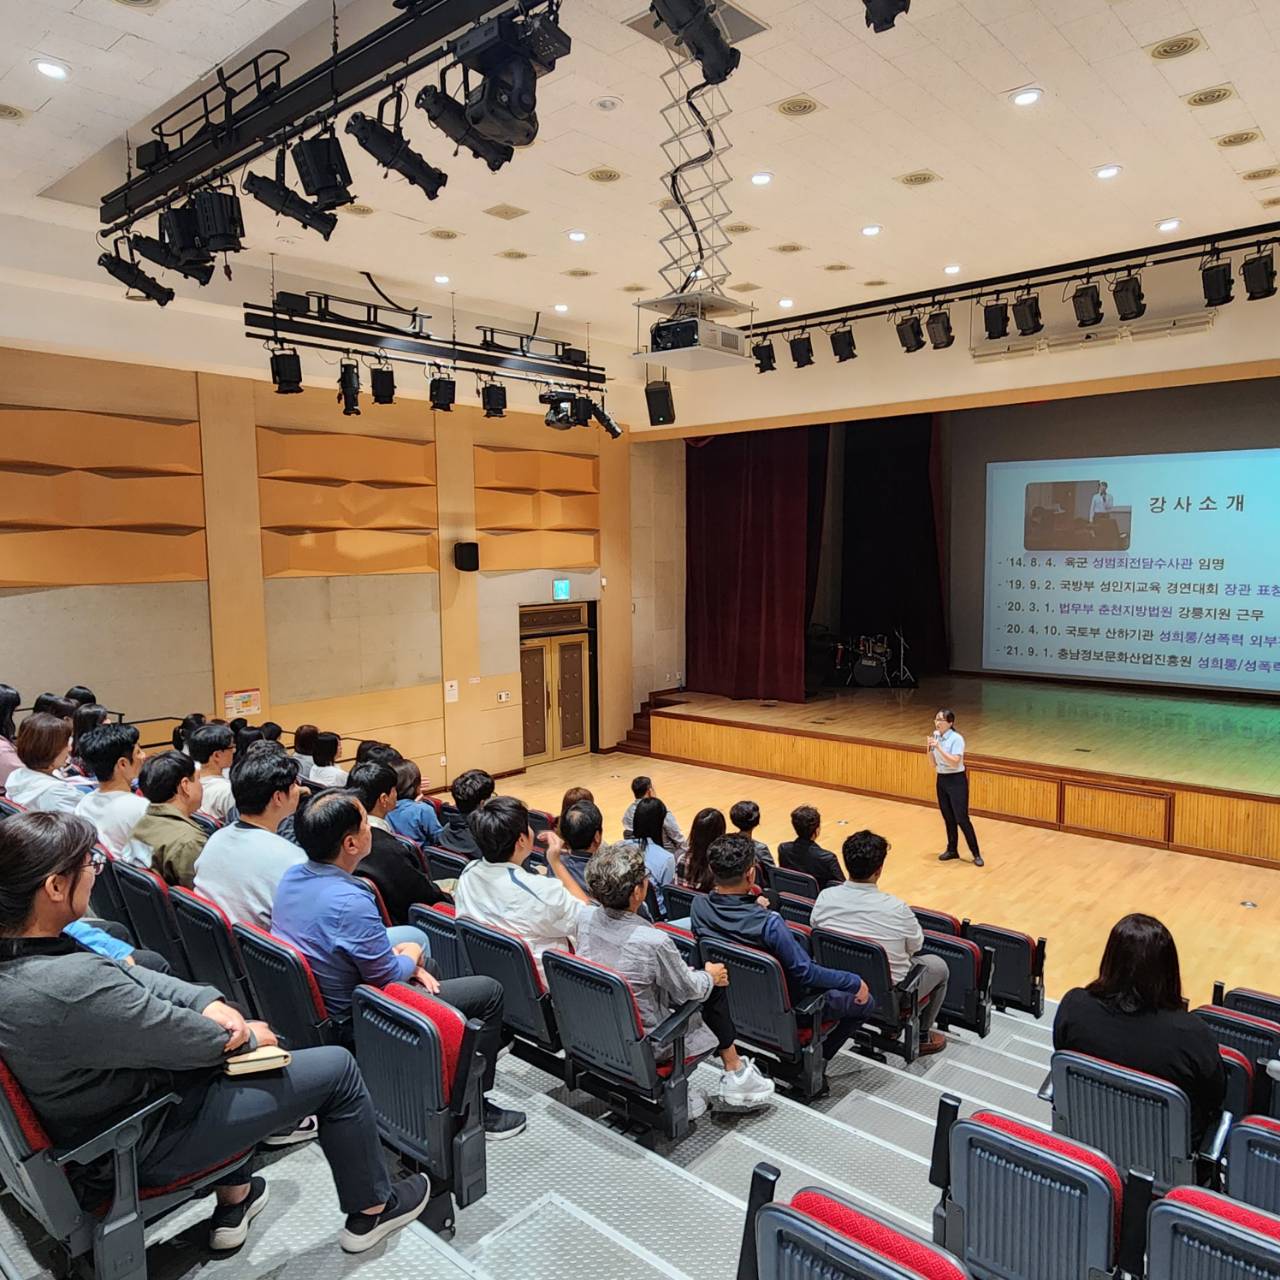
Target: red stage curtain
{"x": 753, "y": 529}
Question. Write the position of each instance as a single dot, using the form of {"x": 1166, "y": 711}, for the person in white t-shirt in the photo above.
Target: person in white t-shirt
{"x": 496, "y": 889}
{"x": 113, "y": 756}
{"x": 241, "y": 865}
{"x": 43, "y": 745}
{"x": 1101, "y": 502}
{"x": 323, "y": 770}
{"x": 212, "y": 747}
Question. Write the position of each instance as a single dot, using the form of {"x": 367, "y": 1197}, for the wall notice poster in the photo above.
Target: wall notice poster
{"x": 242, "y": 702}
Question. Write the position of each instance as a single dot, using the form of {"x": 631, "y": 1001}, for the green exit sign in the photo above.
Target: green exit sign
{"x": 560, "y": 589}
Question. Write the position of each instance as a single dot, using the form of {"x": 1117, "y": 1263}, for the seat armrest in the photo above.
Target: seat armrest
{"x": 115, "y": 1136}
{"x": 1218, "y": 1143}
{"x": 811, "y": 1004}
{"x": 675, "y": 1024}
{"x": 1045, "y": 1091}
{"x": 1139, "y": 1191}
{"x": 1273, "y": 1069}
{"x": 911, "y": 983}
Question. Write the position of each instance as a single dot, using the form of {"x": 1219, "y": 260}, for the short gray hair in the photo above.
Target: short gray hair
{"x": 613, "y": 873}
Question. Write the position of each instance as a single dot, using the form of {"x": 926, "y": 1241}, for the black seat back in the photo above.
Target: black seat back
{"x": 507, "y": 958}
{"x": 679, "y": 901}
{"x": 968, "y": 999}
{"x": 444, "y": 864}
{"x": 794, "y": 909}
{"x": 440, "y": 924}
{"x": 937, "y": 921}
{"x": 851, "y": 954}
{"x": 146, "y": 896}
{"x": 784, "y": 880}
{"x": 105, "y": 898}
{"x": 1246, "y": 1000}
{"x": 1018, "y": 980}
{"x": 759, "y": 1003}
{"x": 285, "y": 991}
{"x": 210, "y": 947}
{"x": 1258, "y": 1039}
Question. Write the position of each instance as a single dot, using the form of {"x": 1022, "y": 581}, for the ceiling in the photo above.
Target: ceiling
{"x": 1015, "y": 189}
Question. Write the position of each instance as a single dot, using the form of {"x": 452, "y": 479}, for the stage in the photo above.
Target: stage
{"x": 1199, "y": 774}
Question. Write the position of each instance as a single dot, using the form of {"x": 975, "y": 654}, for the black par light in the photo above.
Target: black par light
{"x": 289, "y": 204}
{"x": 219, "y": 222}
{"x": 763, "y": 354}
{"x": 940, "y": 332}
{"x": 842, "y": 345}
{"x": 442, "y": 392}
{"x": 286, "y": 371}
{"x": 1087, "y": 304}
{"x": 391, "y": 149}
{"x": 1026, "y": 314}
{"x": 995, "y": 320}
{"x": 322, "y": 170}
{"x": 493, "y": 396}
{"x": 1259, "y": 274}
{"x": 910, "y": 334}
{"x": 382, "y": 382}
{"x": 801, "y": 350}
{"x": 349, "y": 388}
{"x": 178, "y": 230}
{"x": 1130, "y": 304}
{"x": 1215, "y": 279}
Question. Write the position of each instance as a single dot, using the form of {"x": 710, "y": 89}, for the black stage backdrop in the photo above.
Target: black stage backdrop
{"x": 754, "y": 532}
{"x": 892, "y": 550}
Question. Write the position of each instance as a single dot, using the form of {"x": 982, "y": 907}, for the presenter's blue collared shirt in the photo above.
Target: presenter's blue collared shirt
{"x": 953, "y": 744}
{"x": 331, "y": 917}
{"x": 415, "y": 819}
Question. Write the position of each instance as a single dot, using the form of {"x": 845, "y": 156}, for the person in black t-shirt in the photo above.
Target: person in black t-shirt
{"x": 805, "y": 854}
{"x": 1133, "y": 1014}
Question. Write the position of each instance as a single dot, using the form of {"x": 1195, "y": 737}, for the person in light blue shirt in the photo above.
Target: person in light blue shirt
{"x": 648, "y": 823}
{"x": 412, "y": 817}
{"x": 946, "y": 749}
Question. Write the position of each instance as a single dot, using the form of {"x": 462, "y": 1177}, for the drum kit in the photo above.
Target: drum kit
{"x": 866, "y": 661}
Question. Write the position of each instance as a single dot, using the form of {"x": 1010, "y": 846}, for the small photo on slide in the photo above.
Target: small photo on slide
{"x": 1076, "y": 515}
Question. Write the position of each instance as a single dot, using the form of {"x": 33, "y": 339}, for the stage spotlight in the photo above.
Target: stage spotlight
{"x": 442, "y": 392}
{"x": 179, "y": 231}
{"x": 909, "y": 333}
{"x": 694, "y": 26}
{"x": 1087, "y": 303}
{"x": 219, "y": 223}
{"x": 322, "y": 170}
{"x": 132, "y": 276}
{"x": 286, "y": 371}
{"x": 606, "y": 420}
{"x": 582, "y": 411}
{"x": 382, "y": 383}
{"x": 450, "y": 117}
{"x": 391, "y": 149}
{"x": 1215, "y": 278}
{"x": 881, "y": 14}
{"x": 289, "y": 204}
{"x": 163, "y": 256}
{"x": 763, "y": 354}
{"x": 842, "y": 345}
{"x": 1130, "y": 304}
{"x": 941, "y": 335}
{"x": 801, "y": 350}
{"x": 995, "y": 319}
{"x": 1026, "y": 314}
{"x": 493, "y": 395}
{"x": 1259, "y": 274}
{"x": 559, "y": 408}
{"x": 349, "y": 388}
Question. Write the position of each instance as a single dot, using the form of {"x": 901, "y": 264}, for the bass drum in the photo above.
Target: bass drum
{"x": 869, "y": 672}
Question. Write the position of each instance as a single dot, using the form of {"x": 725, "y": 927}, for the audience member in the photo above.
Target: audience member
{"x": 246, "y": 737}
{"x": 745, "y": 816}
{"x": 573, "y": 796}
{"x": 182, "y": 733}
{"x": 693, "y": 871}
{"x": 496, "y": 890}
{"x": 330, "y": 916}
{"x": 1133, "y": 1014}
{"x": 50, "y": 704}
{"x": 80, "y": 694}
{"x": 86, "y": 717}
{"x": 382, "y": 752}
{"x": 391, "y": 864}
{"x": 212, "y": 747}
{"x": 324, "y": 771}
{"x": 804, "y": 853}
{"x": 237, "y": 724}
{"x": 582, "y": 830}
{"x": 413, "y": 816}
{"x": 732, "y": 913}
{"x": 469, "y": 790}
{"x": 241, "y": 865}
{"x": 43, "y": 745}
{"x": 672, "y": 837}
{"x": 648, "y": 821}
{"x": 114, "y": 757}
{"x": 859, "y": 906}
{"x": 166, "y": 839}
{"x": 10, "y": 699}
{"x": 88, "y": 1038}
{"x": 613, "y": 934}
{"x": 304, "y": 743}
{"x": 272, "y": 731}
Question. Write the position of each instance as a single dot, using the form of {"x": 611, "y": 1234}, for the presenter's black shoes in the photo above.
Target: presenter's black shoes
{"x": 949, "y": 856}
{"x": 977, "y": 860}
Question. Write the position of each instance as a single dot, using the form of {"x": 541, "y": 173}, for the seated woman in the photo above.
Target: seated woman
{"x": 692, "y": 870}
{"x": 87, "y": 1037}
{"x": 44, "y": 746}
{"x": 1133, "y": 1014}
{"x": 613, "y": 934}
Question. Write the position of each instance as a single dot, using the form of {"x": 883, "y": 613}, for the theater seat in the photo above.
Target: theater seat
{"x": 1018, "y": 978}
{"x": 10, "y": 807}
{"x": 106, "y": 900}
{"x": 1201, "y": 1235}
{"x": 439, "y": 923}
{"x": 284, "y": 989}
{"x": 685, "y": 942}
{"x": 794, "y": 909}
{"x": 379, "y": 901}
{"x": 784, "y": 880}
{"x": 1240, "y": 1076}
{"x": 444, "y": 864}
{"x": 823, "y": 1236}
{"x": 971, "y": 968}
{"x": 679, "y": 901}
{"x": 155, "y": 927}
{"x": 1258, "y": 1039}
{"x": 1245, "y": 1000}
{"x": 36, "y": 1174}
{"x": 1253, "y": 1163}
{"x": 938, "y": 921}
{"x": 210, "y": 946}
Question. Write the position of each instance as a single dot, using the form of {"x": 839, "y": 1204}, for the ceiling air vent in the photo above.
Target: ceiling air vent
{"x": 795, "y": 108}
{"x": 1262, "y": 175}
{"x": 578, "y": 273}
{"x": 356, "y": 210}
{"x": 443, "y": 233}
{"x": 789, "y": 247}
{"x": 507, "y": 212}
{"x": 837, "y": 266}
{"x": 603, "y": 173}
{"x": 12, "y": 114}
{"x": 874, "y": 284}
{"x": 745, "y": 287}
{"x": 1176, "y": 46}
{"x": 1210, "y": 97}
{"x": 919, "y": 178}
{"x": 1241, "y": 138}
{"x": 634, "y": 288}
{"x": 513, "y": 255}
{"x": 737, "y": 228}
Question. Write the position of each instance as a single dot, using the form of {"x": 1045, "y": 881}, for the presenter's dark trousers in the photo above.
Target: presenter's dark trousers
{"x": 953, "y": 800}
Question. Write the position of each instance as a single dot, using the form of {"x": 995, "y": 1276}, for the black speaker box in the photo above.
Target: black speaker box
{"x": 466, "y": 556}
{"x": 662, "y": 407}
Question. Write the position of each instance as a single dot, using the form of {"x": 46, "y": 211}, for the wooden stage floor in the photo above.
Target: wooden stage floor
{"x": 1190, "y": 773}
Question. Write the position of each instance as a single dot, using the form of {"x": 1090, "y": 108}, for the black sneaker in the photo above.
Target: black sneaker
{"x": 977, "y": 860}
{"x": 500, "y": 1123}
{"x": 407, "y": 1200}
{"x": 949, "y": 856}
{"x": 229, "y": 1226}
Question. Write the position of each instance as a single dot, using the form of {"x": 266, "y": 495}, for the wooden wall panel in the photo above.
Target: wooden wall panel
{"x": 83, "y": 499}
{"x": 1113, "y": 811}
{"x": 1013, "y": 794}
{"x": 56, "y": 438}
{"x": 1228, "y": 824}
{"x": 317, "y": 409}
{"x": 313, "y": 455}
{"x": 535, "y": 469}
{"x": 289, "y": 504}
{"x": 83, "y": 557}
{"x": 348, "y": 551}
{"x": 568, "y": 511}
{"x": 100, "y": 386}
{"x": 503, "y": 552}
{"x": 506, "y": 509}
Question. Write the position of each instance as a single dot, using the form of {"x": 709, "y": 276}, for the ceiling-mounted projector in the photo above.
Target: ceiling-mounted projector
{"x": 689, "y": 342}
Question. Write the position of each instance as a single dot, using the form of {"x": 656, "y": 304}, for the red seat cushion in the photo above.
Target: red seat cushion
{"x": 32, "y": 1130}
{"x": 806, "y": 1033}
{"x": 1263, "y": 1122}
{"x": 665, "y": 1068}
{"x": 444, "y": 909}
{"x": 1233, "y": 1211}
{"x": 448, "y": 1022}
{"x": 928, "y": 1262}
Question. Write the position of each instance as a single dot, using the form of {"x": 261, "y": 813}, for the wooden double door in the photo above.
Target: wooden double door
{"x": 555, "y": 684}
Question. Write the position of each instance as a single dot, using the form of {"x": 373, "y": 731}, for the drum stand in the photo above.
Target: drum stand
{"x": 902, "y": 676}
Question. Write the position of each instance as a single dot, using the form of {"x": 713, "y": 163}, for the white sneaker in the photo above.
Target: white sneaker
{"x": 746, "y": 1089}
{"x": 697, "y": 1103}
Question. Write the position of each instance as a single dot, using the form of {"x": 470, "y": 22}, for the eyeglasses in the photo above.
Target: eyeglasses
{"x": 97, "y": 860}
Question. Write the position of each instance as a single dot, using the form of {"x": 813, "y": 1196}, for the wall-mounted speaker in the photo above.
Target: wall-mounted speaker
{"x": 466, "y": 556}
{"x": 662, "y": 406}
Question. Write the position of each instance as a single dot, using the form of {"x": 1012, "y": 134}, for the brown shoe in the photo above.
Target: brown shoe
{"x": 934, "y": 1042}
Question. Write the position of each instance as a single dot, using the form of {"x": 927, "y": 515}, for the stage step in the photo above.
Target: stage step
{"x": 637, "y": 741}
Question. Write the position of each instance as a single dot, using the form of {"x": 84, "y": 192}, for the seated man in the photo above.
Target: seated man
{"x": 114, "y": 757}
{"x": 582, "y": 830}
{"x": 859, "y": 906}
{"x": 329, "y": 914}
{"x": 804, "y": 853}
{"x": 745, "y": 815}
{"x": 87, "y": 1038}
{"x": 732, "y": 913}
{"x": 413, "y": 816}
{"x": 673, "y": 839}
{"x": 495, "y": 888}
{"x": 213, "y": 747}
{"x": 391, "y": 864}
{"x": 241, "y": 865}
{"x": 469, "y": 790}
{"x": 166, "y": 839}
{"x": 613, "y": 934}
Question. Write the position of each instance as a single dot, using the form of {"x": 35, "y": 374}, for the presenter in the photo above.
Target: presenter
{"x": 946, "y": 747}
{"x": 1101, "y": 502}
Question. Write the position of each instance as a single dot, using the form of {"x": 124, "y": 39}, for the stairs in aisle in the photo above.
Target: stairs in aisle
{"x": 637, "y": 741}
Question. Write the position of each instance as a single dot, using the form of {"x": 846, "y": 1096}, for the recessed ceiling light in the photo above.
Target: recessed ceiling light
{"x": 607, "y": 103}
{"x": 952, "y": 269}
{"x": 1106, "y": 171}
{"x": 577, "y": 236}
{"x": 562, "y": 307}
{"x": 1168, "y": 224}
{"x": 1027, "y": 97}
{"x": 786, "y": 302}
{"x": 761, "y": 179}
{"x": 442, "y": 279}
{"x": 872, "y": 229}
{"x": 54, "y": 70}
